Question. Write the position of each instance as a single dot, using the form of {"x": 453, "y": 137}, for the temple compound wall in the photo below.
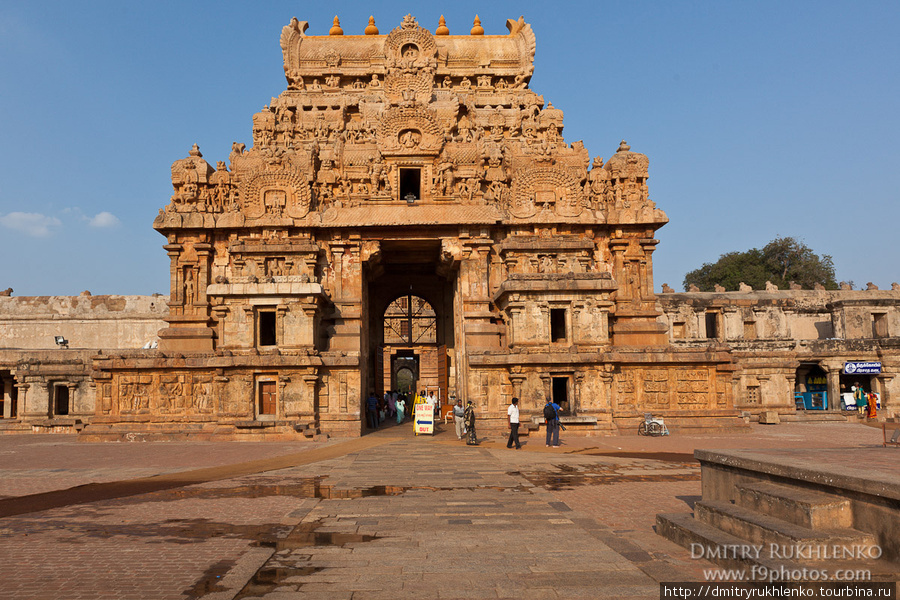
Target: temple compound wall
{"x": 47, "y": 344}
{"x": 795, "y": 342}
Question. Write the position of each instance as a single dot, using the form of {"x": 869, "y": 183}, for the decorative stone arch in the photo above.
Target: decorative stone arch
{"x": 535, "y": 186}
{"x": 258, "y": 194}
{"x": 409, "y": 36}
{"x": 409, "y": 319}
{"x": 399, "y": 120}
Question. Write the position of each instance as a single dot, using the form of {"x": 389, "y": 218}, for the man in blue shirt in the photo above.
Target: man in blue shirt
{"x": 551, "y": 417}
{"x": 372, "y": 410}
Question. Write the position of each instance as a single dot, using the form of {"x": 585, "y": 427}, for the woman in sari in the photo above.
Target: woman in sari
{"x": 401, "y": 410}
{"x": 872, "y": 400}
{"x": 471, "y": 440}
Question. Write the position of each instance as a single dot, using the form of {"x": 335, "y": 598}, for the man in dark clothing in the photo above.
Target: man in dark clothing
{"x": 471, "y": 440}
{"x": 372, "y": 411}
{"x": 551, "y": 416}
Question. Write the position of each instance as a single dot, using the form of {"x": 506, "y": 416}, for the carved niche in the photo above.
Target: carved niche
{"x": 410, "y": 53}
{"x": 409, "y": 130}
{"x": 275, "y": 193}
{"x": 545, "y": 188}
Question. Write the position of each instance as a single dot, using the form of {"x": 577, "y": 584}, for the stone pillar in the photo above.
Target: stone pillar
{"x": 834, "y": 387}
{"x": 7, "y": 398}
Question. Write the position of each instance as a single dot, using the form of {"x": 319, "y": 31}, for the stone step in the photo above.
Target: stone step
{"x": 704, "y": 540}
{"x": 766, "y": 530}
{"x": 803, "y": 507}
{"x": 761, "y": 562}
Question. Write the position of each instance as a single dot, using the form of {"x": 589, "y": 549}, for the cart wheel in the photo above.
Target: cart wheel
{"x": 642, "y": 428}
{"x": 654, "y": 429}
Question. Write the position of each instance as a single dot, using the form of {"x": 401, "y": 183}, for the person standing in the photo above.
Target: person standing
{"x": 459, "y": 417}
{"x": 862, "y": 404}
{"x": 512, "y": 415}
{"x": 551, "y": 417}
{"x": 401, "y": 409}
{"x": 372, "y": 410}
{"x": 471, "y": 440}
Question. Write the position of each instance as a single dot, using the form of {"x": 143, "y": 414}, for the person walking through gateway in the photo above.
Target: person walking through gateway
{"x": 471, "y": 440}
{"x": 459, "y": 417}
{"x": 512, "y": 415}
{"x": 551, "y": 417}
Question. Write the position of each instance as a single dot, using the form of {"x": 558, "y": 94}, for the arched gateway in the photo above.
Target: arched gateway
{"x": 412, "y": 168}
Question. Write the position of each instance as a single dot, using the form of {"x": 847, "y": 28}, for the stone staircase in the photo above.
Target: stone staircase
{"x": 778, "y": 528}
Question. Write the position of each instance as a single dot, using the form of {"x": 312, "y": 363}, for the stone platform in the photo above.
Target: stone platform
{"x": 777, "y": 509}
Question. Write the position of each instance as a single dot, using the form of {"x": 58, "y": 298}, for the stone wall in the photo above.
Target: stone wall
{"x": 32, "y": 322}
{"x": 778, "y": 337}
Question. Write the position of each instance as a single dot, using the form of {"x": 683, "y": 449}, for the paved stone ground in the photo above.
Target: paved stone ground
{"x": 388, "y": 515}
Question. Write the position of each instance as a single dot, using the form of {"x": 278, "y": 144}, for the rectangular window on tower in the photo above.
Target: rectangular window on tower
{"x": 410, "y": 184}
{"x": 557, "y": 325}
{"x": 265, "y": 328}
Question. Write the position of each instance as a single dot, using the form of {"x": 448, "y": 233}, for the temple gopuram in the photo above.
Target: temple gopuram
{"x": 409, "y": 213}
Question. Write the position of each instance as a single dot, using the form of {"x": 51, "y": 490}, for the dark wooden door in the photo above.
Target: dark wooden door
{"x": 267, "y": 397}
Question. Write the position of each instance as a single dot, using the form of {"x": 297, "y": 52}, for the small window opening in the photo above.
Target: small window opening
{"x": 557, "y": 324}
{"x": 711, "y": 331}
{"x": 61, "y": 400}
{"x": 267, "y": 328}
{"x": 410, "y": 184}
{"x": 753, "y": 394}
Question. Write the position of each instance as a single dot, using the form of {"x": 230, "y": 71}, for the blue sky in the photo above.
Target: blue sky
{"x": 761, "y": 119}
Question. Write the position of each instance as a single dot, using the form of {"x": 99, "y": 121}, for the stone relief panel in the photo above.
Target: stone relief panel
{"x": 624, "y": 386}
{"x": 692, "y": 388}
{"x": 655, "y": 383}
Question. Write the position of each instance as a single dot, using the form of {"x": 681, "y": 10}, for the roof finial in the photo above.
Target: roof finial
{"x": 442, "y": 27}
{"x": 370, "y": 28}
{"x": 336, "y": 27}
{"x": 624, "y": 147}
{"x": 477, "y": 29}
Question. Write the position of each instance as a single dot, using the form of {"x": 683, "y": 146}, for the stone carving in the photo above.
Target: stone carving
{"x": 666, "y": 289}
{"x": 190, "y": 177}
{"x": 743, "y": 287}
{"x": 871, "y": 286}
{"x": 771, "y": 287}
{"x": 718, "y": 288}
{"x": 545, "y": 188}
{"x": 795, "y": 286}
{"x": 275, "y": 193}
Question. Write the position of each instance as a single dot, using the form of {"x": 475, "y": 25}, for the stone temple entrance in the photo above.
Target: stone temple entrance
{"x": 411, "y": 319}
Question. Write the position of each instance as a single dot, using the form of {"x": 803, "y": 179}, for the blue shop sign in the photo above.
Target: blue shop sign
{"x": 862, "y": 368}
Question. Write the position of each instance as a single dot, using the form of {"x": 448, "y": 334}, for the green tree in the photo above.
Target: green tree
{"x": 781, "y": 261}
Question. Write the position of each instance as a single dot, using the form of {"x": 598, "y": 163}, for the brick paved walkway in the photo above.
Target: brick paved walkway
{"x": 388, "y": 515}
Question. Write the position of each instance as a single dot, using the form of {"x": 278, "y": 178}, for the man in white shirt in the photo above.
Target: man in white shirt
{"x": 512, "y": 414}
